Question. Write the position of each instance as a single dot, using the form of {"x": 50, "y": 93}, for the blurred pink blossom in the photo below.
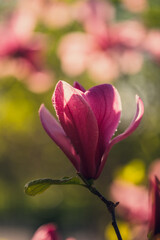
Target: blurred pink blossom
{"x": 70, "y": 238}
{"x": 130, "y": 33}
{"x": 104, "y": 52}
{"x": 130, "y": 61}
{"x": 93, "y": 10}
{"x": 133, "y": 201}
{"x": 57, "y": 14}
{"x": 115, "y": 45}
{"x": 78, "y": 50}
{"x": 154, "y": 223}
{"x": 154, "y": 169}
{"x": 48, "y": 232}
{"x": 52, "y": 13}
{"x": 102, "y": 67}
{"x": 74, "y": 52}
{"x": 137, "y": 205}
{"x": 152, "y": 44}
{"x": 22, "y": 53}
{"x": 135, "y": 6}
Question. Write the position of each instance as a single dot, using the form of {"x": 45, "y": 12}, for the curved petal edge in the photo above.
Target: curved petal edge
{"x": 134, "y": 124}
{"x": 79, "y": 86}
{"x": 132, "y": 127}
{"x": 57, "y": 134}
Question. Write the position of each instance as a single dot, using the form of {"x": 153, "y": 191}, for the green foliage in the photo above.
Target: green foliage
{"x": 39, "y": 186}
{"x": 151, "y": 17}
{"x": 115, "y": 1}
{"x": 6, "y": 7}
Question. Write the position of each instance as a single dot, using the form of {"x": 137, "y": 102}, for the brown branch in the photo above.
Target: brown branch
{"x": 109, "y": 204}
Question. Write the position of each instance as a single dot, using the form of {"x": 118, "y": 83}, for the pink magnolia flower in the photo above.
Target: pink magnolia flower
{"x": 88, "y": 120}
{"x": 48, "y": 232}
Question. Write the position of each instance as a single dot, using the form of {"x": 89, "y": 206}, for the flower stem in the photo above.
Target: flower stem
{"x": 109, "y": 204}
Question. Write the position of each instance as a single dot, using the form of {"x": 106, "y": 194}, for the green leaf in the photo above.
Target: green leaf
{"x": 40, "y": 185}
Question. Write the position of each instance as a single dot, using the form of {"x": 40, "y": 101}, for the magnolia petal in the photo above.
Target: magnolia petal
{"x": 46, "y": 232}
{"x": 79, "y": 86}
{"x": 134, "y": 124}
{"x": 79, "y": 123}
{"x": 154, "y": 170}
{"x": 106, "y": 104}
{"x": 155, "y": 206}
{"x": 57, "y": 134}
{"x": 133, "y": 201}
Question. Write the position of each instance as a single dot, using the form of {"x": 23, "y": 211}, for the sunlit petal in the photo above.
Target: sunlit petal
{"x": 79, "y": 123}
{"x": 106, "y": 105}
{"x": 134, "y": 124}
{"x": 56, "y": 132}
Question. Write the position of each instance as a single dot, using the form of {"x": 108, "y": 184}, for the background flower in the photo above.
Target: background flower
{"x": 22, "y": 52}
{"x": 138, "y": 205}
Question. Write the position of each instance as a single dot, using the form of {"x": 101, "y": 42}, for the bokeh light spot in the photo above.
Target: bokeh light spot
{"x": 123, "y": 228}
{"x": 133, "y": 172}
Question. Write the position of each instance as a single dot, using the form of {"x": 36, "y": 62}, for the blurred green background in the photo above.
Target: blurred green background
{"x": 27, "y": 153}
